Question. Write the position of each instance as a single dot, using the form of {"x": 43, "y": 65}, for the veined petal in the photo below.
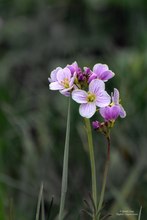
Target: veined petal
{"x": 73, "y": 67}
{"x": 100, "y": 68}
{"x": 103, "y": 111}
{"x": 55, "y": 86}
{"x": 72, "y": 80}
{"x": 92, "y": 77}
{"x": 103, "y": 99}
{"x": 79, "y": 96}
{"x": 115, "y": 97}
{"x": 63, "y": 74}
{"x": 122, "y": 112}
{"x": 53, "y": 77}
{"x": 87, "y": 110}
{"x": 110, "y": 112}
{"x": 96, "y": 86}
{"x": 115, "y": 112}
{"x": 106, "y": 75}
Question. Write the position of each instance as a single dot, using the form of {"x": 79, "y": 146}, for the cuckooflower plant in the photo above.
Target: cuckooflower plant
{"x": 87, "y": 88}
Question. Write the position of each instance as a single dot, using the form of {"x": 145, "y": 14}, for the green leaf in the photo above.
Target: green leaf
{"x": 65, "y": 167}
{"x": 39, "y": 202}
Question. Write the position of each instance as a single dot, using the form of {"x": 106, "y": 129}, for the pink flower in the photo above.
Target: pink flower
{"x": 101, "y": 71}
{"x": 62, "y": 80}
{"x": 96, "y": 96}
{"x": 74, "y": 68}
{"x": 96, "y": 125}
{"x": 53, "y": 77}
{"x": 111, "y": 113}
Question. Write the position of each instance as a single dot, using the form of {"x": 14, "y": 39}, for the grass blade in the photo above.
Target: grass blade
{"x": 42, "y": 208}
{"x": 139, "y": 216}
{"x": 39, "y": 201}
{"x": 65, "y": 167}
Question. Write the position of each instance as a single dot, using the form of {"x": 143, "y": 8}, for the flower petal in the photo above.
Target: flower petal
{"x": 87, "y": 110}
{"x": 72, "y": 80}
{"x": 106, "y": 75}
{"x": 55, "y": 86}
{"x": 122, "y": 112}
{"x": 96, "y": 86}
{"x": 63, "y": 74}
{"x": 92, "y": 77}
{"x": 73, "y": 67}
{"x": 115, "y": 112}
{"x": 96, "y": 124}
{"x": 103, "y": 112}
{"x": 100, "y": 68}
{"x": 53, "y": 77}
{"x": 103, "y": 99}
{"x": 80, "y": 96}
{"x": 115, "y": 97}
{"x": 65, "y": 92}
{"x": 110, "y": 112}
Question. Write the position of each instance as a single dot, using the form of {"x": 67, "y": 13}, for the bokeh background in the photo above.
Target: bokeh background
{"x": 36, "y": 36}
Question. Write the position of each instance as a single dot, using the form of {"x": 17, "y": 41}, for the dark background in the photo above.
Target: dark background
{"x": 36, "y": 37}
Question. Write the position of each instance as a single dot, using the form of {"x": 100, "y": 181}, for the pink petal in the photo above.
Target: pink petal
{"x": 72, "y": 80}
{"x": 115, "y": 111}
{"x": 122, "y": 112}
{"x": 53, "y": 77}
{"x": 80, "y": 96}
{"x": 103, "y": 99}
{"x": 73, "y": 67}
{"x": 110, "y": 113}
{"x": 63, "y": 74}
{"x": 100, "y": 68}
{"x": 115, "y": 97}
{"x": 103, "y": 111}
{"x": 106, "y": 75}
{"x": 87, "y": 110}
{"x": 93, "y": 76}
{"x": 55, "y": 86}
{"x": 96, "y": 86}
{"x": 65, "y": 92}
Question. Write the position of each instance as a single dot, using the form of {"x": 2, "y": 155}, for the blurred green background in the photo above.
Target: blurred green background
{"x": 36, "y": 36}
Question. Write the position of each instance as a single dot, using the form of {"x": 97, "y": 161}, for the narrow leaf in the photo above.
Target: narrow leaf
{"x": 42, "y": 208}
{"x": 65, "y": 167}
{"x": 139, "y": 215}
{"x": 39, "y": 202}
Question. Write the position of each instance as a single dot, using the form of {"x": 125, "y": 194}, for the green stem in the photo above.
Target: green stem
{"x": 65, "y": 167}
{"x": 104, "y": 177}
{"x": 92, "y": 160}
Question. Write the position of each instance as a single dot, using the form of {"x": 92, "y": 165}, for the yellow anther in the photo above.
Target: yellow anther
{"x": 91, "y": 97}
{"x": 111, "y": 104}
{"x": 65, "y": 83}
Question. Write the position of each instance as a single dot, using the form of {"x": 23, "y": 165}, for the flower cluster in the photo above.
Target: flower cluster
{"x": 87, "y": 87}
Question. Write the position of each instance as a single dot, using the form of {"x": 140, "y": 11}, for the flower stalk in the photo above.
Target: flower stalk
{"x": 104, "y": 177}
{"x": 65, "y": 167}
{"x": 92, "y": 161}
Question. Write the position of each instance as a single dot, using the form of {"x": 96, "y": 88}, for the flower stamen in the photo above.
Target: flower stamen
{"x": 65, "y": 83}
{"x": 91, "y": 97}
